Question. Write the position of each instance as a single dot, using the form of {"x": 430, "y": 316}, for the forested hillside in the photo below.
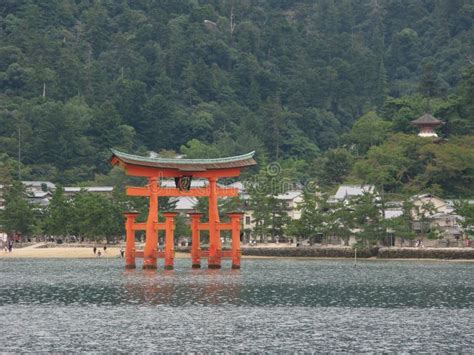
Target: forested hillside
{"x": 325, "y": 87}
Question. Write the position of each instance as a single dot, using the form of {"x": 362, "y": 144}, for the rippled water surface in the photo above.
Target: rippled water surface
{"x": 269, "y": 305}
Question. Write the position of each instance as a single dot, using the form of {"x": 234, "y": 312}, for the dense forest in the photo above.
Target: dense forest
{"x": 327, "y": 88}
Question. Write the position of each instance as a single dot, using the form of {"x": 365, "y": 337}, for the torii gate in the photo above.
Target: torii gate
{"x": 183, "y": 170}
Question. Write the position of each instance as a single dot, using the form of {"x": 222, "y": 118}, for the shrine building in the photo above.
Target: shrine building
{"x": 427, "y": 125}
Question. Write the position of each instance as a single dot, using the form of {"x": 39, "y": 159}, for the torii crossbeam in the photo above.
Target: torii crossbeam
{"x": 183, "y": 170}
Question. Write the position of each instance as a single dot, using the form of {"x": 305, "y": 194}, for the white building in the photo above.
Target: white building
{"x": 422, "y": 201}
{"x": 39, "y": 186}
{"x": 346, "y": 192}
{"x": 39, "y": 192}
{"x": 103, "y": 190}
{"x": 291, "y": 200}
{"x": 39, "y": 198}
{"x": 185, "y": 204}
{"x": 440, "y": 214}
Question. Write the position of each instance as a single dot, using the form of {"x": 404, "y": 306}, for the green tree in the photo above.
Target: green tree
{"x": 340, "y": 222}
{"x": 278, "y": 217}
{"x": 334, "y": 166}
{"x": 96, "y": 217}
{"x": 398, "y": 165}
{"x": 60, "y": 133}
{"x": 314, "y": 218}
{"x": 465, "y": 210}
{"x": 197, "y": 149}
{"x": 386, "y": 166}
{"x": 429, "y": 84}
{"x": 18, "y": 216}
{"x": 369, "y": 219}
{"x": 269, "y": 212}
{"x": 450, "y": 165}
{"x": 466, "y": 107}
{"x": 369, "y": 130}
{"x": 57, "y": 218}
{"x": 423, "y": 213}
{"x": 182, "y": 227}
{"x": 6, "y": 170}
{"x": 402, "y": 226}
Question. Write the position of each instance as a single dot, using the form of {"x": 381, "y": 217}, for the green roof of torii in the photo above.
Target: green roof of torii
{"x": 239, "y": 161}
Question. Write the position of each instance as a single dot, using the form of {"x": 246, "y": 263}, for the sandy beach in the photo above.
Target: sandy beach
{"x": 36, "y": 252}
{"x": 68, "y": 251}
{"x": 65, "y": 252}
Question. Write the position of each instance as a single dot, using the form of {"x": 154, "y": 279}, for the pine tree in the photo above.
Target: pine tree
{"x": 18, "y": 216}
{"x": 58, "y": 214}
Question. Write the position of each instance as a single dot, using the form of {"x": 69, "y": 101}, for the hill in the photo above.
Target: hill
{"x": 304, "y": 83}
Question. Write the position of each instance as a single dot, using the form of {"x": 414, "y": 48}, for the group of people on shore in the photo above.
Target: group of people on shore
{"x": 9, "y": 246}
{"x": 419, "y": 244}
{"x": 100, "y": 253}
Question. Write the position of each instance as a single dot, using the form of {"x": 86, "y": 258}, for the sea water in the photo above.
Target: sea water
{"x": 271, "y": 305}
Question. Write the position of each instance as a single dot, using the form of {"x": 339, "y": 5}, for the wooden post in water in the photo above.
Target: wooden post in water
{"x": 235, "y": 222}
{"x": 196, "y": 240}
{"x": 151, "y": 243}
{"x": 215, "y": 245}
{"x": 130, "y": 242}
{"x": 169, "y": 239}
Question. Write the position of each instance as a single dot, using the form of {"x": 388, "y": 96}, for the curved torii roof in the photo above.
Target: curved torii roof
{"x": 185, "y": 165}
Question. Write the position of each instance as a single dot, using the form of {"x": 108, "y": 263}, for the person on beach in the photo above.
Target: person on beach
{"x": 10, "y": 245}
{"x": 94, "y": 250}
{"x": 105, "y": 249}
{"x": 99, "y": 254}
{"x": 122, "y": 252}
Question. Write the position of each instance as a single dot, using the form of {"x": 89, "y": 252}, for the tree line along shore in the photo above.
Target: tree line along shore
{"x": 356, "y": 216}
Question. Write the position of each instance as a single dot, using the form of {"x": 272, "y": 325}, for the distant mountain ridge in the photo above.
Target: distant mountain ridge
{"x": 285, "y": 78}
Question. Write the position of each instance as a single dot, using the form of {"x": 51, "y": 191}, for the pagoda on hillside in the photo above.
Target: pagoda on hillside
{"x": 427, "y": 125}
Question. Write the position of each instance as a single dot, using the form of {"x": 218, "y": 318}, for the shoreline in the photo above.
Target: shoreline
{"x": 33, "y": 252}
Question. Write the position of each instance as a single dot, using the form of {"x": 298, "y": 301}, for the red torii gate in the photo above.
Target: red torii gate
{"x": 183, "y": 170}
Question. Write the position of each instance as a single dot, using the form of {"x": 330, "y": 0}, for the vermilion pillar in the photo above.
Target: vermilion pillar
{"x": 196, "y": 240}
{"x": 151, "y": 244}
{"x": 235, "y": 222}
{"x": 215, "y": 245}
{"x": 169, "y": 239}
{"x": 130, "y": 242}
